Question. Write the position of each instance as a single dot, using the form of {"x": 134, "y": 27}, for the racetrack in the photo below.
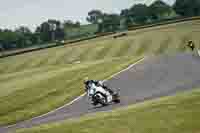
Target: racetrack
{"x": 152, "y": 78}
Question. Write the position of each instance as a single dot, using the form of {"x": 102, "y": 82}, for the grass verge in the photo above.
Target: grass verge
{"x": 174, "y": 114}
{"x": 30, "y": 95}
{"x": 37, "y": 82}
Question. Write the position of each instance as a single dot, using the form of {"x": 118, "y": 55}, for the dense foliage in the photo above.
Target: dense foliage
{"x": 55, "y": 30}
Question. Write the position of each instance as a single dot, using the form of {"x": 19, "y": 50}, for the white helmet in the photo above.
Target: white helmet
{"x": 101, "y": 82}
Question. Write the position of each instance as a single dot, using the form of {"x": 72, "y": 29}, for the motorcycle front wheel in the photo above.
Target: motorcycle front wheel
{"x": 101, "y": 99}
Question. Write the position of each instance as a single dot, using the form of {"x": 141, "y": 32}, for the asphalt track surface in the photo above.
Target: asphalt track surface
{"x": 152, "y": 78}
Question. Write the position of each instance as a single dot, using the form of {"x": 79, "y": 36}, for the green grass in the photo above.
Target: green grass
{"x": 82, "y": 31}
{"x": 145, "y": 41}
{"x": 175, "y": 114}
{"x": 50, "y": 88}
{"x": 37, "y": 82}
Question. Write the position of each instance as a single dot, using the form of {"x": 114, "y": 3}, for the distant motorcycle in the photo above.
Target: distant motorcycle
{"x": 97, "y": 94}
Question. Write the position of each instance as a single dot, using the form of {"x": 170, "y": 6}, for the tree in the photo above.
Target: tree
{"x": 35, "y": 38}
{"x": 23, "y": 30}
{"x": 77, "y": 24}
{"x": 24, "y": 36}
{"x": 94, "y": 16}
{"x": 59, "y": 33}
{"x": 139, "y": 13}
{"x": 111, "y": 22}
{"x": 1, "y": 47}
{"x": 187, "y": 7}
{"x": 45, "y": 32}
{"x": 159, "y": 10}
{"x": 53, "y": 25}
{"x": 125, "y": 18}
{"x": 9, "y": 39}
{"x": 51, "y": 30}
{"x": 70, "y": 24}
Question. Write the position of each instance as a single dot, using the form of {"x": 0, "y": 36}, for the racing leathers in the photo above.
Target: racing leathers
{"x": 98, "y": 83}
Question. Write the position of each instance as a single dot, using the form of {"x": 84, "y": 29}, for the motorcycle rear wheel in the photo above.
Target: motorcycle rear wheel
{"x": 117, "y": 101}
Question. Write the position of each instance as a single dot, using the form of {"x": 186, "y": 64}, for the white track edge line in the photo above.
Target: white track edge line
{"x": 79, "y": 97}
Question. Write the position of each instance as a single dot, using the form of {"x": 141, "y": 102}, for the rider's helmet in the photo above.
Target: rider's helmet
{"x": 100, "y": 83}
{"x": 190, "y": 43}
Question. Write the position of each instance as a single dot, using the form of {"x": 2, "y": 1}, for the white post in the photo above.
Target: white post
{"x": 198, "y": 51}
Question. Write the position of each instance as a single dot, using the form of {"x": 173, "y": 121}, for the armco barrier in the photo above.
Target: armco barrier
{"x": 169, "y": 21}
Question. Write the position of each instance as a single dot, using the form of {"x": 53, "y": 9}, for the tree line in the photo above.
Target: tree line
{"x": 138, "y": 14}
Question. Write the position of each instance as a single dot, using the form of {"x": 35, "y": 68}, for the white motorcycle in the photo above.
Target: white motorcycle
{"x": 99, "y": 95}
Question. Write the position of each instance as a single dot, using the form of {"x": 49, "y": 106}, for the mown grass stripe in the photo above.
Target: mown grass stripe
{"x": 164, "y": 45}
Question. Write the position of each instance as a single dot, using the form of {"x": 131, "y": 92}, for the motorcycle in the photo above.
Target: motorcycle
{"x": 99, "y": 95}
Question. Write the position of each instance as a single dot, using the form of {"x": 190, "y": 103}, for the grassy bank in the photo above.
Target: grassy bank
{"x": 176, "y": 114}
{"x": 31, "y": 93}
{"x": 37, "y": 82}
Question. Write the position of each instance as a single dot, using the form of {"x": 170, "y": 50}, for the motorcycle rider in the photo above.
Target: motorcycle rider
{"x": 97, "y": 83}
{"x": 191, "y": 45}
